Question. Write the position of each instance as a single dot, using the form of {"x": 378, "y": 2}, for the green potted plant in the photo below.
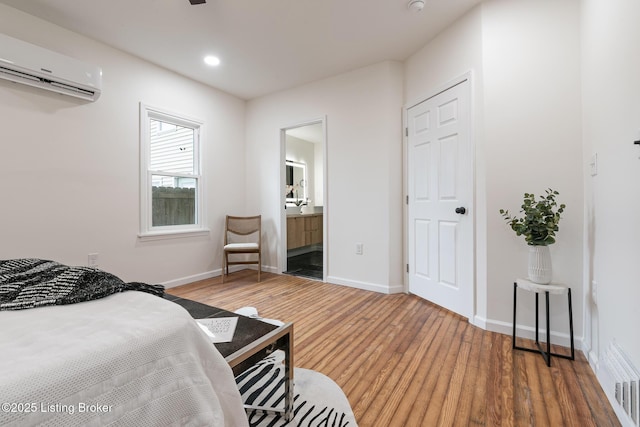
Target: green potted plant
{"x": 538, "y": 225}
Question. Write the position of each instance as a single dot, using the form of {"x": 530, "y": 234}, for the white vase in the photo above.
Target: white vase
{"x": 540, "y": 264}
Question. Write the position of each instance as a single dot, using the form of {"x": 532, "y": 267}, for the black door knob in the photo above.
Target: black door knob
{"x": 461, "y": 210}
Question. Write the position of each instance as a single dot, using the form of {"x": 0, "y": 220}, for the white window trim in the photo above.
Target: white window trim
{"x": 147, "y": 231}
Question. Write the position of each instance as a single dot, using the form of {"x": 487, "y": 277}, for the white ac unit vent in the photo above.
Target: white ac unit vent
{"x": 32, "y": 65}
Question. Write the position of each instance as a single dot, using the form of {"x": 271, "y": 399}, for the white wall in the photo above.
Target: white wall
{"x": 363, "y": 111}
{"x": 611, "y": 122}
{"x": 532, "y": 135}
{"x": 526, "y": 102}
{"x": 70, "y": 169}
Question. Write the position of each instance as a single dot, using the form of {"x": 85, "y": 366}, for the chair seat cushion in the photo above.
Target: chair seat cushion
{"x": 240, "y": 246}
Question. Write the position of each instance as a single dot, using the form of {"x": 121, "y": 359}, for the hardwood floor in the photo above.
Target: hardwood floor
{"x": 403, "y": 361}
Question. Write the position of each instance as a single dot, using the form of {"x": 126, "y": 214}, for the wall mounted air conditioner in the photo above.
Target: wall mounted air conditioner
{"x": 32, "y": 65}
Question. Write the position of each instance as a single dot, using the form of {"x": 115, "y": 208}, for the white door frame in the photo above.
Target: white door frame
{"x": 283, "y": 212}
{"x": 471, "y": 206}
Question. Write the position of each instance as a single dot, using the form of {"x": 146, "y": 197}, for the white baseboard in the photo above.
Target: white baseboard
{"x": 594, "y": 362}
{"x": 188, "y": 279}
{"x": 393, "y": 289}
{"x": 522, "y": 331}
{"x": 213, "y": 273}
{"x": 480, "y": 322}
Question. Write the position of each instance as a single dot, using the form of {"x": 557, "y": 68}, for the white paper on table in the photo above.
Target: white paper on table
{"x": 219, "y": 329}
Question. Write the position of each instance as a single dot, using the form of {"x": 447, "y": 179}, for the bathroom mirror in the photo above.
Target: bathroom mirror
{"x": 296, "y": 182}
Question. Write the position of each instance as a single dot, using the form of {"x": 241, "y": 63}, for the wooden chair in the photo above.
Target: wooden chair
{"x": 242, "y": 235}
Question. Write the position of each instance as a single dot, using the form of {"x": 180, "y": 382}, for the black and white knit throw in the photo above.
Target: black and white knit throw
{"x": 30, "y": 283}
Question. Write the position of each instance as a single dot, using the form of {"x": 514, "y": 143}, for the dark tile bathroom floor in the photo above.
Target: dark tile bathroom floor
{"x": 306, "y": 265}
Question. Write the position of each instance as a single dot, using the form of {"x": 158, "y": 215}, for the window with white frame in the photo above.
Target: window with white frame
{"x": 171, "y": 177}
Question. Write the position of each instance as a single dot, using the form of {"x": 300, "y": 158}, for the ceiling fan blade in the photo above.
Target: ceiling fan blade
{"x": 197, "y": 1}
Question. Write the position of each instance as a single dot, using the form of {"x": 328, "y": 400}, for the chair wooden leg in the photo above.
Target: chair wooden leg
{"x": 259, "y": 265}
{"x": 224, "y": 263}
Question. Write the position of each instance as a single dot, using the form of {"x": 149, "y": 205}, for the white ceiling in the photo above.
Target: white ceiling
{"x": 265, "y": 45}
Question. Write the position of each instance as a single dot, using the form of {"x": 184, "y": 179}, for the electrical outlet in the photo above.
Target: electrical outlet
{"x": 92, "y": 260}
{"x": 359, "y": 248}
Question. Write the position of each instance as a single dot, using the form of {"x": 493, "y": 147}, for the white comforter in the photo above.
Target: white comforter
{"x": 130, "y": 359}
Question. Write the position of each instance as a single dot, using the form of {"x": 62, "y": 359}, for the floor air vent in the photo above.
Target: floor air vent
{"x": 626, "y": 381}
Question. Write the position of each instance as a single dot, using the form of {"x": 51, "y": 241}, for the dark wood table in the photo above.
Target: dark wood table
{"x": 253, "y": 340}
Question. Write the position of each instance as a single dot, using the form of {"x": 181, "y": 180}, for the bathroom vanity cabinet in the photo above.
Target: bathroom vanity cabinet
{"x": 303, "y": 230}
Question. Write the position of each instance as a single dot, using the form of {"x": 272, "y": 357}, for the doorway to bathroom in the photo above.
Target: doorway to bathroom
{"x": 303, "y": 190}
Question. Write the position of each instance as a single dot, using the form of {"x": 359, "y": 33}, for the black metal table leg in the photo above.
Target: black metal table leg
{"x": 515, "y": 304}
{"x": 545, "y": 353}
{"x": 546, "y": 294}
{"x": 537, "y": 323}
{"x": 573, "y": 356}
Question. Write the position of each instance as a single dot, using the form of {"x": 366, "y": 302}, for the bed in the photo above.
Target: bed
{"x": 124, "y": 358}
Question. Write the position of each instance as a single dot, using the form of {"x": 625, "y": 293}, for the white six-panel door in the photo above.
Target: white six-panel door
{"x": 440, "y": 190}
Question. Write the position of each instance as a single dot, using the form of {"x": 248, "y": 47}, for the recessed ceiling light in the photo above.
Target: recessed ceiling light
{"x": 212, "y": 60}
